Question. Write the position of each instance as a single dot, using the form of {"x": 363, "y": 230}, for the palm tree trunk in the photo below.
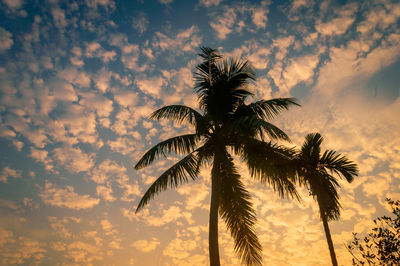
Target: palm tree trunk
{"x": 328, "y": 238}
{"x": 213, "y": 225}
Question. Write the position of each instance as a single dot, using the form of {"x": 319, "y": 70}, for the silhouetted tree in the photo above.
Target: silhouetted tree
{"x": 382, "y": 245}
{"x": 316, "y": 173}
{"x": 226, "y": 125}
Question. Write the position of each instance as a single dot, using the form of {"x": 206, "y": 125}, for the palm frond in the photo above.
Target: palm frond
{"x": 180, "y": 144}
{"x": 268, "y": 109}
{"x": 252, "y": 125}
{"x": 238, "y": 213}
{"x": 181, "y": 114}
{"x": 271, "y": 164}
{"x": 339, "y": 164}
{"x": 177, "y": 174}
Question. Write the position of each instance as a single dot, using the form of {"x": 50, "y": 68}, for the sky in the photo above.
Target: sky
{"x": 78, "y": 81}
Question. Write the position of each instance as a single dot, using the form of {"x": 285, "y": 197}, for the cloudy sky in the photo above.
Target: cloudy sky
{"x": 79, "y": 79}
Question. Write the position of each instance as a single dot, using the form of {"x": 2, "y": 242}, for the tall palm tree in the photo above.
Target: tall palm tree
{"x": 225, "y": 125}
{"x": 316, "y": 173}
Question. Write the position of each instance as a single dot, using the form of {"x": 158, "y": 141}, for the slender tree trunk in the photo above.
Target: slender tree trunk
{"x": 329, "y": 238}
{"x": 213, "y": 225}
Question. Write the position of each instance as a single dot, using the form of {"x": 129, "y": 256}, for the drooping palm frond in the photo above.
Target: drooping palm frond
{"x": 177, "y": 174}
{"x": 253, "y": 126}
{"x": 180, "y": 144}
{"x": 268, "y": 109}
{"x": 238, "y": 213}
{"x": 339, "y": 164}
{"x": 181, "y": 114}
{"x": 271, "y": 164}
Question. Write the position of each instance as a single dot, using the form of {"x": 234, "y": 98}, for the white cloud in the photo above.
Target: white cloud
{"x": 6, "y": 40}
{"x": 84, "y": 252}
{"x": 185, "y": 41}
{"x": 42, "y": 156}
{"x": 107, "y": 4}
{"x": 67, "y": 198}
{"x": 9, "y": 172}
{"x": 346, "y": 66}
{"x": 94, "y": 49}
{"x": 172, "y": 214}
{"x": 260, "y": 16}
{"x": 209, "y": 3}
{"x": 179, "y": 249}
{"x": 145, "y": 245}
{"x": 106, "y": 171}
{"x": 76, "y": 77}
{"x": 73, "y": 159}
{"x": 151, "y": 86}
{"x": 125, "y": 145}
{"x": 105, "y": 193}
{"x": 224, "y": 25}
{"x": 126, "y": 98}
{"x": 339, "y": 25}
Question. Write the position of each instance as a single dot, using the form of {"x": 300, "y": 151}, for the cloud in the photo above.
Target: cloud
{"x": 75, "y": 77}
{"x": 140, "y": 22}
{"x": 106, "y": 171}
{"x": 172, "y": 214}
{"x": 105, "y": 193}
{"x": 340, "y": 24}
{"x": 209, "y": 3}
{"x": 83, "y": 252}
{"x": 260, "y": 15}
{"x": 9, "y": 172}
{"x": 151, "y": 86}
{"x": 74, "y": 159}
{"x": 94, "y": 49}
{"x": 107, "y": 4}
{"x": 224, "y": 24}
{"x": 346, "y": 66}
{"x": 145, "y": 245}
{"x": 59, "y": 18}
{"x": 125, "y": 145}
{"x": 184, "y": 41}
{"x": 14, "y": 4}
{"x": 66, "y": 198}
{"x": 165, "y": 2}
{"x": 21, "y": 250}
{"x": 179, "y": 249}
{"x": 298, "y": 70}
{"x": 6, "y": 40}
{"x": 42, "y": 156}
{"x": 5, "y": 236}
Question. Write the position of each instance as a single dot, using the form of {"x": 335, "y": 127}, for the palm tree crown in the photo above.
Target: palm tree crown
{"x": 316, "y": 173}
{"x": 226, "y": 125}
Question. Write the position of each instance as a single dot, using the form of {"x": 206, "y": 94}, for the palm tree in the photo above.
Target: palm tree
{"x": 316, "y": 173}
{"x": 225, "y": 125}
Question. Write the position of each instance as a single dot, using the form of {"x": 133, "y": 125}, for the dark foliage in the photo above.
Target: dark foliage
{"x": 382, "y": 245}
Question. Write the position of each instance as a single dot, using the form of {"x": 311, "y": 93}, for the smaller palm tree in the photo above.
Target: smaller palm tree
{"x": 316, "y": 173}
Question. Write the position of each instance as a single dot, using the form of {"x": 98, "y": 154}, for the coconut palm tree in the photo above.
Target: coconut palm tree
{"x": 316, "y": 173}
{"x": 225, "y": 126}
